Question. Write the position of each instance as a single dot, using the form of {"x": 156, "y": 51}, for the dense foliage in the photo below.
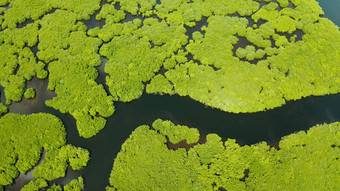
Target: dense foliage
{"x": 135, "y": 56}
{"x": 57, "y": 161}
{"x": 235, "y": 55}
{"x": 70, "y": 54}
{"x": 270, "y": 67}
{"x": 3, "y": 109}
{"x": 23, "y": 138}
{"x": 41, "y": 184}
{"x": 289, "y": 51}
{"x": 304, "y": 161}
{"x": 18, "y": 63}
{"x": 33, "y": 185}
{"x": 72, "y": 58}
{"x": 30, "y": 93}
{"x": 75, "y": 185}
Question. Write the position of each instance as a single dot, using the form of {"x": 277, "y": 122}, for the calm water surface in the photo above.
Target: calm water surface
{"x": 267, "y": 126}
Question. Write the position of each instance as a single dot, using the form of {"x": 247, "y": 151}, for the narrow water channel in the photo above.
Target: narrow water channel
{"x": 269, "y": 126}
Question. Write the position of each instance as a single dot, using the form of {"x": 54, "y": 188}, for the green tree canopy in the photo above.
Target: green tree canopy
{"x": 304, "y": 161}
{"x": 23, "y": 138}
{"x": 234, "y": 55}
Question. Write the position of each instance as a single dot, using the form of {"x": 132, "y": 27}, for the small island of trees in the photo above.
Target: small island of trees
{"x": 238, "y": 56}
{"x": 303, "y": 161}
{"x": 23, "y": 139}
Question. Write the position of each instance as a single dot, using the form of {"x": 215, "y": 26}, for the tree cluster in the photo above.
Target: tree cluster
{"x": 3, "y": 109}
{"x": 23, "y": 139}
{"x": 72, "y": 58}
{"x": 156, "y": 52}
{"x": 62, "y": 42}
{"x": 41, "y": 184}
{"x": 136, "y": 55}
{"x": 275, "y": 66}
{"x": 270, "y": 70}
{"x": 18, "y": 63}
{"x": 304, "y": 161}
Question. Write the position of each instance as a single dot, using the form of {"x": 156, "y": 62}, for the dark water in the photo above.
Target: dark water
{"x": 267, "y": 126}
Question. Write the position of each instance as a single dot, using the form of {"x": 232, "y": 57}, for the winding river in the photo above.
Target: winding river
{"x": 267, "y": 126}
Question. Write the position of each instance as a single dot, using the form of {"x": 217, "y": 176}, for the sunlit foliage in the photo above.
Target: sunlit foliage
{"x": 160, "y": 84}
{"x": 17, "y": 61}
{"x": 3, "y": 109}
{"x": 234, "y": 55}
{"x": 57, "y": 162}
{"x": 72, "y": 56}
{"x": 176, "y": 133}
{"x": 136, "y": 55}
{"x": 145, "y": 163}
{"x": 35, "y": 185}
{"x": 55, "y": 187}
{"x": 75, "y": 185}
{"x": 263, "y": 76}
{"x": 289, "y": 55}
{"x": 64, "y": 45}
{"x": 41, "y": 184}
{"x": 23, "y": 138}
{"x": 30, "y": 93}
{"x": 305, "y": 161}
{"x": 21, "y": 10}
{"x": 243, "y": 56}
